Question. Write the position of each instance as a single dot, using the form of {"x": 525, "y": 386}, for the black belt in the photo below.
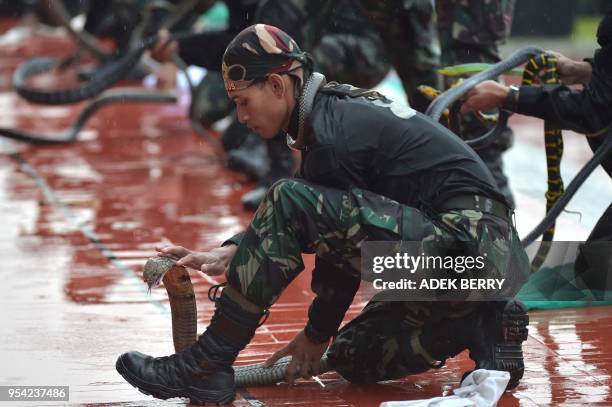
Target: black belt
{"x": 478, "y": 203}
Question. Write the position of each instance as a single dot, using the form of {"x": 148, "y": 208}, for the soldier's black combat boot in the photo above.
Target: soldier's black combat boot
{"x": 497, "y": 343}
{"x": 251, "y": 158}
{"x": 447, "y": 338}
{"x": 203, "y": 372}
{"x": 281, "y": 166}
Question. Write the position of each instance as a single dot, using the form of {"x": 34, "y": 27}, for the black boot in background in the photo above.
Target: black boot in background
{"x": 251, "y": 158}
{"x": 281, "y": 166}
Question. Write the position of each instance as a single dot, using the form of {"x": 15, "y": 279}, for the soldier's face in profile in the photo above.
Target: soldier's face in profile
{"x": 263, "y": 107}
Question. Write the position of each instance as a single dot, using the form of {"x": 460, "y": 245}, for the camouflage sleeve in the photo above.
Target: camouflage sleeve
{"x": 471, "y": 30}
{"x": 320, "y": 19}
{"x": 335, "y": 290}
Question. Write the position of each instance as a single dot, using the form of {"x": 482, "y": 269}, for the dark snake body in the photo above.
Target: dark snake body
{"x": 182, "y": 298}
{"x": 545, "y": 64}
{"x": 95, "y": 87}
{"x": 121, "y": 95}
{"x": 104, "y": 77}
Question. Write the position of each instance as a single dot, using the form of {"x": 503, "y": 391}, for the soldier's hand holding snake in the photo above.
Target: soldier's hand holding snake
{"x": 211, "y": 263}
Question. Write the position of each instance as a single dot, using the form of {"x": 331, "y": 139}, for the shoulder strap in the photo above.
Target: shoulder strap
{"x": 341, "y": 89}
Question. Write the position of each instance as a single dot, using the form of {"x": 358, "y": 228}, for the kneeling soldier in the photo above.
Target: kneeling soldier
{"x": 371, "y": 170}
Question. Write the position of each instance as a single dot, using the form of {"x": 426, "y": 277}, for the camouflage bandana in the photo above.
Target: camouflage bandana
{"x": 258, "y": 51}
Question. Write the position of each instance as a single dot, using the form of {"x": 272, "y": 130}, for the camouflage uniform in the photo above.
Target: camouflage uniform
{"x": 332, "y": 214}
{"x": 300, "y": 217}
{"x": 391, "y": 340}
{"x": 345, "y": 46}
{"x": 471, "y": 31}
{"x": 468, "y": 30}
{"x": 407, "y": 28}
{"x": 346, "y": 49}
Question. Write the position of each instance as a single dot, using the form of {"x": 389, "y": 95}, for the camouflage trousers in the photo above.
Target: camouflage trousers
{"x": 388, "y": 339}
{"x": 356, "y": 56}
{"x": 408, "y": 31}
{"x": 471, "y": 31}
{"x": 300, "y": 217}
{"x": 391, "y": 340}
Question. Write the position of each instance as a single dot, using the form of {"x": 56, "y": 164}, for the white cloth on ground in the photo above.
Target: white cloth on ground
{"x": 481, "y": 388}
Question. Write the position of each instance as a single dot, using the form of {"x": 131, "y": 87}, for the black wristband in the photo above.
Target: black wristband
{"x": 512, "y": 99}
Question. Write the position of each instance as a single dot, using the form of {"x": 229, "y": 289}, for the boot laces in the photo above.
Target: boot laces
{"x": 213, "y": 291}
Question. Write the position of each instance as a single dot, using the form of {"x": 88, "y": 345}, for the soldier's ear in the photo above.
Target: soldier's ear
{"x": 278, "y": 85}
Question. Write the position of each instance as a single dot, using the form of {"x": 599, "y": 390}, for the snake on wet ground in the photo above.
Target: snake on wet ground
{"x": 178, "y": 285}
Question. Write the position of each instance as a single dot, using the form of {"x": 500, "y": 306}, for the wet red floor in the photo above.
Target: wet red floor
{"x": 79, "y": 221}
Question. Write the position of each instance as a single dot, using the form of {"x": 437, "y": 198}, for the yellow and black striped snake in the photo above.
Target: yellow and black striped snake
{"x": 540, "y": 67}
{"x": 543, "y": 69}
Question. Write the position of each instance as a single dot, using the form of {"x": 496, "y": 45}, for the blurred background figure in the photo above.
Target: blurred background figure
{"x": 346, "y": 47}
{"x": 467, "y": 31}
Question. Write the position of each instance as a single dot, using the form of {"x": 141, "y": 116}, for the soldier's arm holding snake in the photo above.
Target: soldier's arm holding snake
{"x": 585, "y": 111}
{"x": 335, "y": 291}
{"x": 211, "y": 263}
{"x": 492, "y": 94}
